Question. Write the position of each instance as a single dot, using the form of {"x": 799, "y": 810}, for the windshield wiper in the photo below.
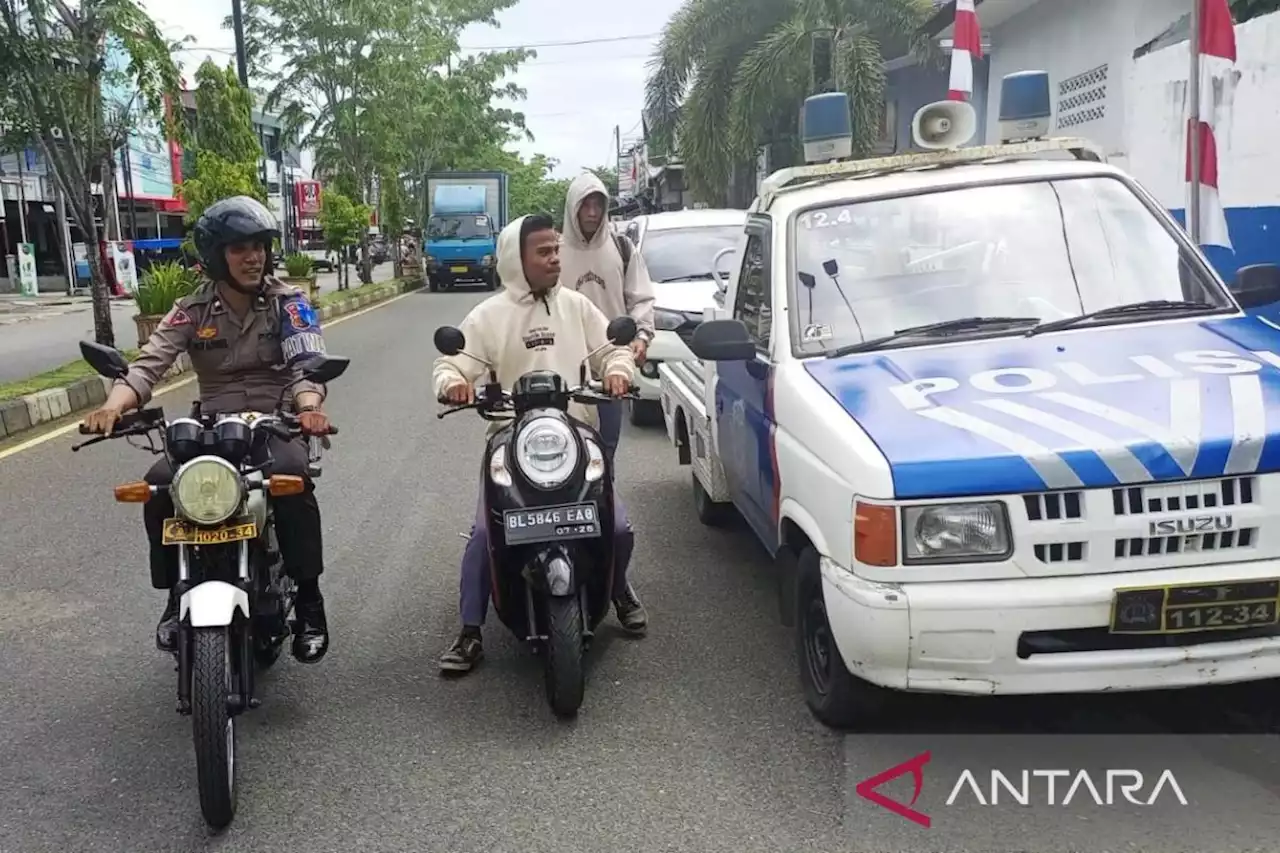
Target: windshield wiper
{"x": 946, "y": 327}
{"x": 690, "y": 277}
{"x": 1150, "y": 306}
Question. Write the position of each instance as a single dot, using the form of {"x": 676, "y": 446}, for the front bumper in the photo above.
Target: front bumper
{"x": 1031, "y": 635}
{"x": 665, "y": 346}
{"x": 460, "y": 270}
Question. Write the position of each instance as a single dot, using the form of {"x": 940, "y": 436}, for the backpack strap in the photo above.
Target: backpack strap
{"x": 624, "y": 249}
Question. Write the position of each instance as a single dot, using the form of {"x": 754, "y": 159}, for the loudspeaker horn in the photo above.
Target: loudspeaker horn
{"x": 944, "y": 124}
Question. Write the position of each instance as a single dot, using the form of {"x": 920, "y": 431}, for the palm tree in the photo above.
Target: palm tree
{"x": 730, "y": 75}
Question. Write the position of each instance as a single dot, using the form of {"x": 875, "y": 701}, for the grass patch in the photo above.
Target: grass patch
{"x": 56, "y": 378}
{"x": 335, "y": 297}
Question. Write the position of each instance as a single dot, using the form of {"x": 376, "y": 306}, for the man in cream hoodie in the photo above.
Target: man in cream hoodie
{"x": 593, "y": 264}
{"x": 534, "y": 324}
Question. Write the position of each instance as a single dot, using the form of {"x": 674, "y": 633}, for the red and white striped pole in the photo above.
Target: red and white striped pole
{"x": 966, "y": 46}
{"x": 1213, "y": 57}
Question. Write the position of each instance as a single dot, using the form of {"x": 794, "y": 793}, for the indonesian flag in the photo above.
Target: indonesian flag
{"x": 1217, "y": 49}
{"x": 966, "y": 45}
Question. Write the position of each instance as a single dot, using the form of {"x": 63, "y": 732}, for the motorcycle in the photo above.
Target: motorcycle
{"x": 549, "y": 503}
{"x": 236, "y": 601}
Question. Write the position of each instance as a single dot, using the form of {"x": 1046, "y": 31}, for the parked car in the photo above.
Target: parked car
{"x": 679, "y": 248}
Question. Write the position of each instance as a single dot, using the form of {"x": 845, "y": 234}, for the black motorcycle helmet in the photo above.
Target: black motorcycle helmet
{"x": 238, "y": 219}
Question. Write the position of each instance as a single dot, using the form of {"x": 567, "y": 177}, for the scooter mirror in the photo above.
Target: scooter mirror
{"x": 621, "y": 331}
{"x": 449, "y": 340}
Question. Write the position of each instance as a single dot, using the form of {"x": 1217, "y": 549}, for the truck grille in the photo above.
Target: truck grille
{"x": 1175, "y": 497}
{"x": 1131, "y": 503}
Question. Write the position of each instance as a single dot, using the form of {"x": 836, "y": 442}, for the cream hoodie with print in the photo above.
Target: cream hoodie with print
{"x": 594, "y": 267}
{"x": 518, "y": 331}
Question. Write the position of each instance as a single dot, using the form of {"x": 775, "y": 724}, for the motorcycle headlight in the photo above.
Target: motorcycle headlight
{"x": 546, "y": 452}
{"x": 207, "y": 490}
{"x": 956, "y": 533}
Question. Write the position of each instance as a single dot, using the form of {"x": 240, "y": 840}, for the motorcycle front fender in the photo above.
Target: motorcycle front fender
{"x": 213, "y": 604}
{"x": 559, "y": 577}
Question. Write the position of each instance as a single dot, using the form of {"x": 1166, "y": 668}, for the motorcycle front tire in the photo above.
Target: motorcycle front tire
{"x": 213, "y": 726}
{"x": 565, "y": 676}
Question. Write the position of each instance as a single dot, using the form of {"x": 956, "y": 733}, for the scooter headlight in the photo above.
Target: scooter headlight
{"x": 547, "y": 452}
{"x": 207, "y": 490}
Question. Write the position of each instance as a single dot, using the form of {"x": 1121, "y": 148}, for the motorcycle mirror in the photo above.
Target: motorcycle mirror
{"x": 449, "y": 340}
{"x": 831, "y": 268}
{"x": 807, "y": 280}
{"x": 621, "y": 331}
{"x": 325, "y": 368}
{"x": 107, "y": 361}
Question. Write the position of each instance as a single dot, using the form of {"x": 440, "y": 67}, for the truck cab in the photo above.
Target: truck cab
{"x": 999, "y": 423}
{"x": 465, "y": 213}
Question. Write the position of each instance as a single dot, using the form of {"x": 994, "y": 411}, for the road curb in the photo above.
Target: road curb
{"x": 26, "y": 413}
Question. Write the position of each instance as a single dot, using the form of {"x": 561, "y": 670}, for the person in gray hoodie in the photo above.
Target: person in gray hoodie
{"x": 607, "y": 269}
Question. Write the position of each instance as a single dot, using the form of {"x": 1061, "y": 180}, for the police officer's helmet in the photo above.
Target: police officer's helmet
{"x": 238, "y": 219}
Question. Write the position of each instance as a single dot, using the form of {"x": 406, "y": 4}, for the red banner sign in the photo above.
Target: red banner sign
{"x": 308, "y": 197}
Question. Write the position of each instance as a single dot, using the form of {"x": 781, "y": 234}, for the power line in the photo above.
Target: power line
{"x": 608, "y": 40}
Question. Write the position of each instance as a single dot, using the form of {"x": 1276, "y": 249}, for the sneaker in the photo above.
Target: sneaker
{"x": 631, "y": 612}
{"x": 465, "y": 653}
{"x": 167, "y": 627}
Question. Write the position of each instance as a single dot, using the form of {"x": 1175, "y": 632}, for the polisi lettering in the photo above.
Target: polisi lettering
{"x": 1190, "y": 524}
{"x": 918, "y": 394}
{"x": 1128, "y": 782}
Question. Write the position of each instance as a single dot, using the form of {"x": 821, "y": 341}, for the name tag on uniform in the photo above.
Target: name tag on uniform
{"x": 216, "y": 343}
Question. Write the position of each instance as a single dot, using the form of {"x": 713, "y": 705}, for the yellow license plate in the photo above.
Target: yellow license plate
{"x": 180, "y": 532}
{"x": 457, "y": 269}
{"x": 1192, "y": 608}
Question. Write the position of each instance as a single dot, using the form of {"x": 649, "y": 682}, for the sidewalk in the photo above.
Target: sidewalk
{"x": 43, "y": 332}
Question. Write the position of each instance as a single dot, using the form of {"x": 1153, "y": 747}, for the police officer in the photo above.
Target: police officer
{"x": 244, "y": 331}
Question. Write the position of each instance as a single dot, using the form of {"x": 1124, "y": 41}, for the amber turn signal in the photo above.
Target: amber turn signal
{"x": 875, "y": 534}
{"x": 133, "y": 493}
{"x": 285, "y": 484}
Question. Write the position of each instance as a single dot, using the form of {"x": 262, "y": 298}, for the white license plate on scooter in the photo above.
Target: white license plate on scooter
{"x": 551, "y": 523}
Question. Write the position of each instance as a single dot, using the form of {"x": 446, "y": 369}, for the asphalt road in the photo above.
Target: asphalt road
{"x": 33, "y": 341}
{"x": 694, "y": 739}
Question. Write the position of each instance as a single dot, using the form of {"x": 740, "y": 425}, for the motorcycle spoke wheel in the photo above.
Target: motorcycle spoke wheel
{"x": 213, "y": 726}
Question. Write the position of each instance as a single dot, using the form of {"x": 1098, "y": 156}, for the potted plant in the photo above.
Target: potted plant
{"x": 300, "y": 272}
{"x": 161, "y": 286}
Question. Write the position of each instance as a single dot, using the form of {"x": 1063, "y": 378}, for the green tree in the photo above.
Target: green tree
{"x": 730, "y": 75}
{"x": 225, "y": 144}
{"x": 345, "y": 224}
{"x": 224, "y": 115}
{"x": 55, "y": 62}
{"x": 344, "y": 67}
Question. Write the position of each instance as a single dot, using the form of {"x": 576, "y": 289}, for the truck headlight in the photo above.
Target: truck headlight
{"x": 667, "y": 321}
{"x": 546, "y": 452}
{"x": 486, "y": 261}
{"x": 207, "y": 490}
{"x": 956, "y": 533}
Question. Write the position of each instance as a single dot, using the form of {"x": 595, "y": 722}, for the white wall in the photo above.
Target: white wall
{"x": 1070, "y": 37}
{"x": 1247, "y": 121}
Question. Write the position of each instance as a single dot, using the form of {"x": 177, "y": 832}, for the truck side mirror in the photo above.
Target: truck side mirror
{"x": 722, "y": 340}
{"x": 1257, "y": 285}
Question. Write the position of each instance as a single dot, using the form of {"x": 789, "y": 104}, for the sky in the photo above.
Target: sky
{"x": 577, "y": 93}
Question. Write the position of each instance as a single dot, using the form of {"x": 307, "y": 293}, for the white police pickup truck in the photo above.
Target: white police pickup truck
{"x": 1002, "y": 426}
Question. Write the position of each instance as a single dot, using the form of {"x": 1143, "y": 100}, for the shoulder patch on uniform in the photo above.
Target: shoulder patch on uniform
{"x": 179, "y": 317}
{"x": 300, "y": 334}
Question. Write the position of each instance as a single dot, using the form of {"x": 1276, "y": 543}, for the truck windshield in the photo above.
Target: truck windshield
{"x": 1044, "y": 249}
{"x": 457, "y": 227}
{"x": 680, "y": 253}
